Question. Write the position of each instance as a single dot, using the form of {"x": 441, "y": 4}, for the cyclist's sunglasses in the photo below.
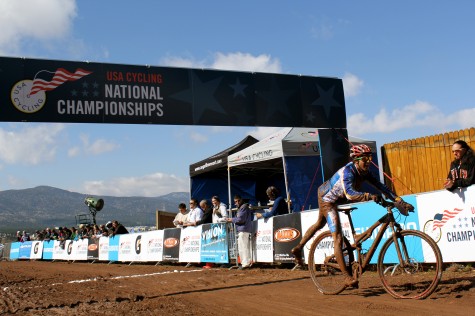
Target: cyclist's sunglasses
{"x": 365, "y": 158}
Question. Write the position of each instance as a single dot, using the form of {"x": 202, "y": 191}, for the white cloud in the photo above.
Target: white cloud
{"x": 246, "y": 62}
{"x": 232, "y": 61}
{"x": 352, "y": 84}
{"x": 34, "y": 19}
{"x": 198, "y": 138}
{"x": 151, "y": 185}
{"x": 418, "y": 114}
{"x": 31, "y": 145}
{"x": 95, "y": 148}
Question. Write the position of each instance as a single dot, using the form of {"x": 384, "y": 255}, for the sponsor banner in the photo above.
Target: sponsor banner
{"x": 190, "y": 244}
{"x": 171, "y": 244}
{"x": 114, "y": 248}
{"x": 15, "y": 251}
{"x": 287, "y": 234}
{"x": 80, "y": 249}
{"x": 130, "y": 247}
{"x": 65, "y": 91}
{"x": 449, "y": 218}
{"x": 263, "y": 240}
{"x": 152, "y": 246}
{"x": 36, "y": 250}
{"x": 93, "y": 249}
{"x": 48, "y": 247}
{"x": 25, "y": 250}
{"x": 307, "y": 219}
{"x": 104, "y": 248}
{"x": 59, "y": 250}
{"x": 214, "y": 245}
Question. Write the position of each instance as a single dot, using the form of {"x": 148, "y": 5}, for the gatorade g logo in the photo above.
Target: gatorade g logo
{"x": 70, "y": 247}
{"x": 138, "y": 244}
{"x": 35, "y": 249}
{"x": 286, "y": 234}
{"x": 170, "y": 242}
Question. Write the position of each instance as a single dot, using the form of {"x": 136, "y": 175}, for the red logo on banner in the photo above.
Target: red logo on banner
{"x": 92, "y": 247}
{"x": 170, "y": 242}
{"x": 286, "y": 234}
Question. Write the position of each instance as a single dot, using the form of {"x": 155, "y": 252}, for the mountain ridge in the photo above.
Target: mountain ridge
{"x": 45, "y": 206}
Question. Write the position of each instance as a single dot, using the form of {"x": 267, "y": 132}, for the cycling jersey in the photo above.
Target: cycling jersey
{"x": 345, "y": 185}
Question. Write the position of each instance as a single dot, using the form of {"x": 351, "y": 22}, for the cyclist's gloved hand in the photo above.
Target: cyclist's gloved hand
{"x": 376, "y": 198}
{"x": 403, "y": 207}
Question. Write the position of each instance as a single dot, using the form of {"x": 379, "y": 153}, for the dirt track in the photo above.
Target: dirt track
{"x": 61, "y": 288}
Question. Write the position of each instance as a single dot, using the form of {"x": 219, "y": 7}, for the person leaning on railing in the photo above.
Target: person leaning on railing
{"x": 462, "y": 168}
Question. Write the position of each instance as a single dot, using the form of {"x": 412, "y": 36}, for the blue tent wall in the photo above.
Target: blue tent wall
{"x": 304, "y": 176}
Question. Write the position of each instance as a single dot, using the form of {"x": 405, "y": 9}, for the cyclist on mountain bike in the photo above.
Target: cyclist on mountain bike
{"x": 342, "y": 187}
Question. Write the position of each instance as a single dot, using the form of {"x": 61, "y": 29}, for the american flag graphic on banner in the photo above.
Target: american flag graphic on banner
{"x": 441, "y": 219}
{"x": 60, "y": 76}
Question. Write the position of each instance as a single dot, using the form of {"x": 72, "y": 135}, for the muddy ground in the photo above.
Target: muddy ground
{"x": 62, "y": 288}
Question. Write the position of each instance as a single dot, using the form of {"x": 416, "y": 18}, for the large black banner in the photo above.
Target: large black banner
{"x": 33, "y": 90}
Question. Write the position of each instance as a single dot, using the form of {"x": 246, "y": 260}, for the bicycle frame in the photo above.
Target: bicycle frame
{"x": 384, "y": 222}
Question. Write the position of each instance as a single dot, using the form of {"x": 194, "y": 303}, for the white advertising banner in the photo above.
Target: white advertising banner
{"x": 79, "y": 249}
{"x": 190, "y": 246}
{"x": 449, "y": 218}
{"x": 104, "y": 248}
{"x": 130, "y": 247}
{"x": 264, "y": 246}
{"x": 36, "y": 250}
{"x": 152, "y": 246}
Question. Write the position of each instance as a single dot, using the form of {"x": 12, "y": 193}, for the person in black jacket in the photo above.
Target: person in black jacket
{"x": 462, "y": 169}
{"x": 118, "y": 229}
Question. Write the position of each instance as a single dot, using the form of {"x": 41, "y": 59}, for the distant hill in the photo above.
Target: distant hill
{"x": 45, "y": 206}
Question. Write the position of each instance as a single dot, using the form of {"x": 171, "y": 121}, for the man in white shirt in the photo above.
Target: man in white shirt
{"x": 182, "y": 216}
{"x": 195, "y": 213}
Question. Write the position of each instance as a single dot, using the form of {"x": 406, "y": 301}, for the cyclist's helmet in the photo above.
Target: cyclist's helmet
{"x": 359, "y": 150}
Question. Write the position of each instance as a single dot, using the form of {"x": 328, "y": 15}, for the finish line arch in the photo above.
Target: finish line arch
{"x": 36, "y": 90}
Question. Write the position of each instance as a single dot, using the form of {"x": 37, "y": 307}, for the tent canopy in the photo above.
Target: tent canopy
{"x": 288, "y": 159}
{"x": 209, "y": 176}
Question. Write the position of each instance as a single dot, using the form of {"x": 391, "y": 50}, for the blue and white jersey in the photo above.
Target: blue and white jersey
{"x": 345, "y": 185}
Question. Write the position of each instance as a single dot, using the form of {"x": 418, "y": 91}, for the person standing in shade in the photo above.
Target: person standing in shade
{"x": 279, "y": 206}
{"x": 462, "y": 168}
{"x": 243, "y": 222}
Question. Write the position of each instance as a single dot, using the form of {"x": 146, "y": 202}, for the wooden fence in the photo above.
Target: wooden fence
{"x": 421, "y": 164}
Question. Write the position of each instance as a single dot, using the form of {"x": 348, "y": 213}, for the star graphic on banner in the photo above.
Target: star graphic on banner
{"x": 74, "y": 93}
{"x": 326, "y": 100}
{"x": 85, "y": 85}
{"x": 276, "y": 99}
{"x": 310, "y": 116}
{"x": 238, "y": 88}
{"x": 204, "y": 97}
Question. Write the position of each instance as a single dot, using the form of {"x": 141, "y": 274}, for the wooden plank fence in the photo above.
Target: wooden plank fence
{"x": 421, "y": 164}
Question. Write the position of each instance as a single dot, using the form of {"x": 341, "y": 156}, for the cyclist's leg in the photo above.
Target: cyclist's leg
{"x": 297, "y": 250}
{"x": 334, "y": 225}
{"x": 321, "y": 221}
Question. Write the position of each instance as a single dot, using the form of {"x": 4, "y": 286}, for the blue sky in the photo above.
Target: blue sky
{"x": 407, "y": 66}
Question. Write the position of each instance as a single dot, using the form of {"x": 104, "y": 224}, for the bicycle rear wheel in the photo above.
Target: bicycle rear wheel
{"x": 420, "y": 271}
{"x": 324, "y": 270}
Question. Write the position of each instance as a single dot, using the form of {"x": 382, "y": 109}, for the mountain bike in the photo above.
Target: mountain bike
{"x": 409, "y": 262}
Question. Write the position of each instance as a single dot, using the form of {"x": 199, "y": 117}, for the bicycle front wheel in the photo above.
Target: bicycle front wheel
{"x": 419, "y": 271}
{"x": 324, "y": 270}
